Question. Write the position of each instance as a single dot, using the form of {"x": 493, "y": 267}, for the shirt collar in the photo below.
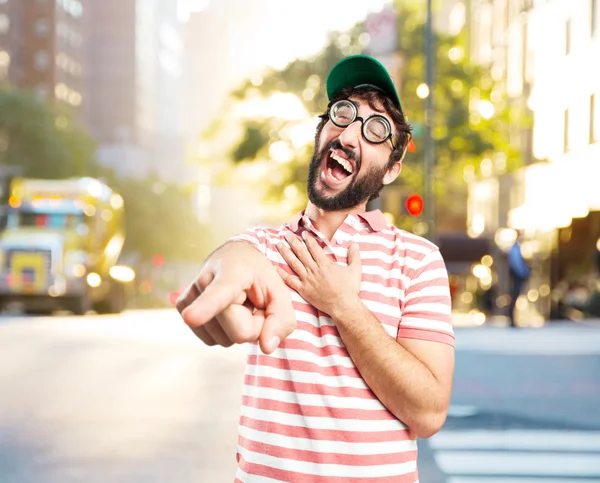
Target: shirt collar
{"x": 374, "y": 219}
{"x": 294, "y": 223}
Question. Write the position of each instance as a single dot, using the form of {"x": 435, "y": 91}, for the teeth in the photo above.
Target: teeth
{"x": 345, "y": 164}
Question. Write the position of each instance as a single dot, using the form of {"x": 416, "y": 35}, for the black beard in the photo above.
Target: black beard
{"x": 358, "y": 191}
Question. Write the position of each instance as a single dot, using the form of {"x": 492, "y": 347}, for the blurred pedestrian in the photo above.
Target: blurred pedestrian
{"x": 519, "y": 271}
{"x": 597, "y": 257}
{"x": 352, "y": 351}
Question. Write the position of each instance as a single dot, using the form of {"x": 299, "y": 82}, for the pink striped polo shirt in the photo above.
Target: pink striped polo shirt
{"x": 307, "y": 415}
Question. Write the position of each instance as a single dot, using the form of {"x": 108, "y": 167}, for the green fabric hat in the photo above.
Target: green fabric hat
{"x": 359, "y": 70}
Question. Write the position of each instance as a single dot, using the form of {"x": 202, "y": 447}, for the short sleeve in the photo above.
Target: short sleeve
{"x": 254, "y": 236}
{"x": 427, "y": 305}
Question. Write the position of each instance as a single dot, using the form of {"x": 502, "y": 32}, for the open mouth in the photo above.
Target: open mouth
{"x": 337, "y": 168}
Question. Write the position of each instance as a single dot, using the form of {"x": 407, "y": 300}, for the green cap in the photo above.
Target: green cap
{"x": 359, "y": 70}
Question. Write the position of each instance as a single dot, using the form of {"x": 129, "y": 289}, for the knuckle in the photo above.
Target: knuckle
{"x": 238, "y": 333}
{"x": 243, "y": 333}
{"x": 239, "y": 337}
{"x": 203, "y": 335}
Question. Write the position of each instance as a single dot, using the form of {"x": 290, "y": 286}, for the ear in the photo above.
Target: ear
{"x": 393, "y": 172}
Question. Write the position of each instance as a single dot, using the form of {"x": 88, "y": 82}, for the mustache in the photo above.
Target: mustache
{"x": 348, "y": 153}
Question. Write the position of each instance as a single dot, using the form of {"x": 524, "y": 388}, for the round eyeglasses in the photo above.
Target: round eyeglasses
{"x": 375, "y": 129}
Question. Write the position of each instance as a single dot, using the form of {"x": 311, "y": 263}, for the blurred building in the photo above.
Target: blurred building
{"x": 159, "y": 58}
{"x": 206, "y": 70}
{"x": 135, "y": 83}
{"x": 541, "y": 55}
{"x": 42, "y": 49}
{"x": 111, "y": 71}
{"x": 111, "y": 85}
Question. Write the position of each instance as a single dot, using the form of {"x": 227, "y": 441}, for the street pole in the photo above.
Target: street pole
{"x": 429, "y": 148}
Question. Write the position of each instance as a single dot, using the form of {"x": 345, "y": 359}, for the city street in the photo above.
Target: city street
{"x": 135, "y": 398}
{"x": 525, "y": 408}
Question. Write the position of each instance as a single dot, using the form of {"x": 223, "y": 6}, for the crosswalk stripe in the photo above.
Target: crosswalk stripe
{"x": 479, "y": 479}
{"x": 544, "y": 341}
{"x": 524, "y": 464}
{"x": 462, "y": 411}
{"x": 517, "y": 440}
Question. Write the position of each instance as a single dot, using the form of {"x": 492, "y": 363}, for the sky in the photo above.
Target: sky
{"x": 242, "y": 37}
{"x": 300, "y": 27}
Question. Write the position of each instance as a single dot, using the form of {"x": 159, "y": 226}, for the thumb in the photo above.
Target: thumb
{"x": 280, "y": 318}
{"x": 354, "y": 257}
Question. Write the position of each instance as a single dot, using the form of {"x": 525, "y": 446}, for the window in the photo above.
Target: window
{"x": 566, "y": 132}
{"x": 524, "y": 48}
{"x": 73, "y": 7}
{"x": 75, "y": 40}
{"x": 568, "y": 37}
{"x": 46, "y": 220}
{"x": 41, "y": 60}
{"x": 594, "y": 121}
{"x": 4, "y": 23}
{"x": 593, "y": 17}
{"x": 4, "y": 65}
{"x": 42, "y": 28}
{"x": 4, "y": 58}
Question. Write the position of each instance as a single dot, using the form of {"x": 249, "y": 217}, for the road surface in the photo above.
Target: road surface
{"x": 135, "y": 398}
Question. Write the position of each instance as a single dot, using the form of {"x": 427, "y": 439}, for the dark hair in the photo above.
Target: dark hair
{"x": 375, "y": 98}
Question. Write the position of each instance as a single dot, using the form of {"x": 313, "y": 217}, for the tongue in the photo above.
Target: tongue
{"x": 338, "y": 172}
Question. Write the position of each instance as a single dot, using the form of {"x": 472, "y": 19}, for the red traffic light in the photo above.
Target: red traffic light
{"x": 414, "y": 204}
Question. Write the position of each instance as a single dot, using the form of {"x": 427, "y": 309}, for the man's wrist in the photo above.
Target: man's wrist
{"x": 347, "y": 310}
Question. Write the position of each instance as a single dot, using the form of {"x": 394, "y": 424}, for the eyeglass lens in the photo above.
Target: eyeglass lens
{"x": 375, "y": 128}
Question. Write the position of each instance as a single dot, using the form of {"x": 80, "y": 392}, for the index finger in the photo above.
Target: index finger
{"x": 186, "y": 298}
{"x": 215, "y": 298}
{"x": 194, "y": 290}
{"x": 314, "y": 249}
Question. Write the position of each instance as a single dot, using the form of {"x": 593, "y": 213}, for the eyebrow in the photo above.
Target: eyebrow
{"x": 358, "y": 103}
{"x": 383, "y": 113}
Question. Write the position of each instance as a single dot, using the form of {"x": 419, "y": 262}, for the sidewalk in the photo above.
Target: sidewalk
{"x": 554, "y": 338}
{"x": 478, "y": 320}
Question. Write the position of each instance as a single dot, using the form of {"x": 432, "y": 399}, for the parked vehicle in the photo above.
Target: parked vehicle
{"x": 61, "y": 245}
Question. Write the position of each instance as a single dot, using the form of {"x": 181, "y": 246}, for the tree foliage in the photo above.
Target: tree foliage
{"x": 42, "y": 140}
{"x": 463, "y": 137}
{"x": 45, "y": 142}
{"x": 159, "y": 219}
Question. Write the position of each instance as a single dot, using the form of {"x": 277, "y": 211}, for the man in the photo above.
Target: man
{"x": 519, "y": 273}
{"x": 597, "y": 257}
{"x": 351, "y": 355}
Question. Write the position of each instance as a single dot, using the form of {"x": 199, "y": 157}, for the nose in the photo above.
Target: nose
{"x": 350, "y": 135}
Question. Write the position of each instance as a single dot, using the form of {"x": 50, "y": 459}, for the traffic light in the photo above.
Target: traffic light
{"x": 414, "y": 204}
